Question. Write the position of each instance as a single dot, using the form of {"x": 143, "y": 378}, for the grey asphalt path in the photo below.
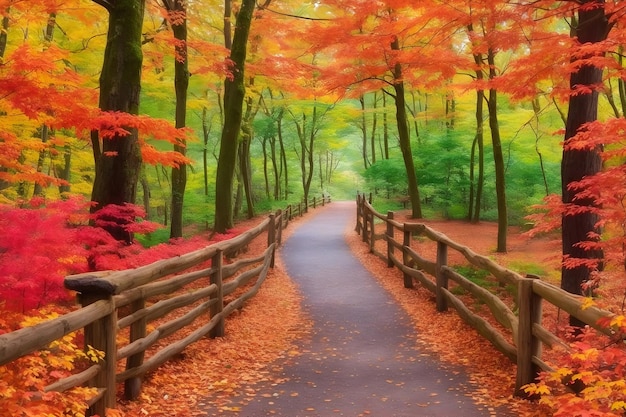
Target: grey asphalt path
{"x": 362, "y": 358}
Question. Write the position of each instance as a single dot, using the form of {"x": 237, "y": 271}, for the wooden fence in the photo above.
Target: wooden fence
{"x": 126, "y": 301}
{"x": 525, "y": 335}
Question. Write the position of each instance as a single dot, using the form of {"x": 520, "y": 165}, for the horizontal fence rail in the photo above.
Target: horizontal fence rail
{"x": 118, "y": 306}
{"x": 524, "y": 335}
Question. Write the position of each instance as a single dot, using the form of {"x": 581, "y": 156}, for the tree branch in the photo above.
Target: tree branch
{"x": 104, "y": 3}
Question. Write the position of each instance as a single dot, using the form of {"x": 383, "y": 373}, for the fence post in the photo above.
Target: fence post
{"x": 372, "y": 232}
{"x": 279, "y": 234}
{"x": 406, "y": 245}
{"x": 365, "y": 220}
{"x": 442, "y": 279}
{"x": 389, "y": 239}
{"x": 218, "y": 306}
{"x": 101, "y": 335}
{"x": 315, "y": 202}
{"x": 132, "y": 386}
{"x": 323, "y": 199}
{"x": 359, "y": 210}
{"x": 271, "y": 235}
{"x": 528, "y": 345}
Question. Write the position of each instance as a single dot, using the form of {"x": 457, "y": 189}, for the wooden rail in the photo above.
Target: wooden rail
{"x": 525, "y": 335}
{"x": 116, "y": 303}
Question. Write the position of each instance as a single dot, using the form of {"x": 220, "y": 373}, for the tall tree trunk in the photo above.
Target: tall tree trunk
{"x": 65, "y": 172}
{"x": 118, "y": 166}
{"x": 283, "y": 157}
{"x": 479, "y": 141}
{"x": 38, "y": 188}
{"x": 3, "y": 46}
{"x": 498, "y": 159}
{"x": 266, "y": 158}
{"x": 244, "y": 154}
{"x": 385, "y": 128}
{"x": 373, "y": 137}
{"x": 592, "y": 27}
{"x": 234, "y": 93}
{"x": 45, "y": 130}
{"x": 403, "y": 136}
{"x": 205, "y": 136}
{"x": 366, "y": 162}
{"x": 181, "y": 84}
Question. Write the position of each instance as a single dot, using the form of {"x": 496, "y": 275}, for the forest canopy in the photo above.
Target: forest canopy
{"x": 201, "y": 112}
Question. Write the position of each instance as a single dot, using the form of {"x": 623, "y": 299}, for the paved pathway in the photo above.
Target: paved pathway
{"x": 361, "y": 358}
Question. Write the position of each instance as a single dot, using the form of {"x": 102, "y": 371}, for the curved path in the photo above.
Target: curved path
{"x": 361, "y": 358}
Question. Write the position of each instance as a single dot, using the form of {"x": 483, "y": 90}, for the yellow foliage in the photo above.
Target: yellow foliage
{"x": 587, "y": 302}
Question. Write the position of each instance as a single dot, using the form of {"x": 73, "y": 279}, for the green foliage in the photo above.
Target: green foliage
{"x": 387, "y": 176}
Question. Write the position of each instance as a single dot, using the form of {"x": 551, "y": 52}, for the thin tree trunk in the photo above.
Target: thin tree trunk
{"x": 283, "y": 157}
{"x": 385, "y": 127}
{"x": 366, "y": 162}
{"x": 373, "y": 137}
{"x": 403, "y": 136}
{"x": 181, "y": 85}
{"x": 205, "y": 150}
{"x": 498, "y": 159}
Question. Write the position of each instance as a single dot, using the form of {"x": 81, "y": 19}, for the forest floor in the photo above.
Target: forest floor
{"x": 269, "y": 326}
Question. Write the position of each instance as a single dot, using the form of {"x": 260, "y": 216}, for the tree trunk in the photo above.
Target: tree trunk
{"x": 385, "y": 128}
{"x": 181, "y": 84}
{"x": 45, "y": 130}
{"x": 65, "y": 171}
{"x": 283, "y": 157}
{"x": 374, "y": 123}
{"x": 234, "y": 93}
{"x": 403, "y": 136}
{"x": 366, "y": 163}
{"x": 205, "y": 137}
{"x": 479, "y": 142}
{"x": 247, "y": 132}
{"x": 498, "y": 159}
{"x": 117, "y": 167}
{"x": 592, "y": 27}
{"x": 38, "y": 188}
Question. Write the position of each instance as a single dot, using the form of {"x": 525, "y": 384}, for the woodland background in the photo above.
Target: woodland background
{"x": 129, "y": 124}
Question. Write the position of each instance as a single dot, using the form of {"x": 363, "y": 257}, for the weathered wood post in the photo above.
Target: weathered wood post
{"x": 365, "y": 225}
{"x": 279, "y": 233}
{"x": 528, "y": 346}
{"x": 314, "y": 202}
{"x": 132, "y": 386}
{"x": 323, "y": 199}
{"x": 359, "y": 211}
{"x": 271, "y": 235}
{"x": 390, "y": 238}
{"x": 406, "y": 245}
{"x": 442, "y": 279}
{"x": 100, "y": 334}
{"x": 372, "y": 238}
{"x": 218, "y": 306}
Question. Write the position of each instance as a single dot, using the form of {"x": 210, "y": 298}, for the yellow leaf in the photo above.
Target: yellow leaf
{"x": 618, "y": 405}
{"x": 587, "y": 302}
{"x": 618, "y": 321}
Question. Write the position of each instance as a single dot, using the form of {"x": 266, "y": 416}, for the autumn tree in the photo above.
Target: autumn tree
{"x": 234, "y": 94}
{"x": 118, "y": 158}
{"x": 178, "y": 19}
{"x": 590, "y": 27}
